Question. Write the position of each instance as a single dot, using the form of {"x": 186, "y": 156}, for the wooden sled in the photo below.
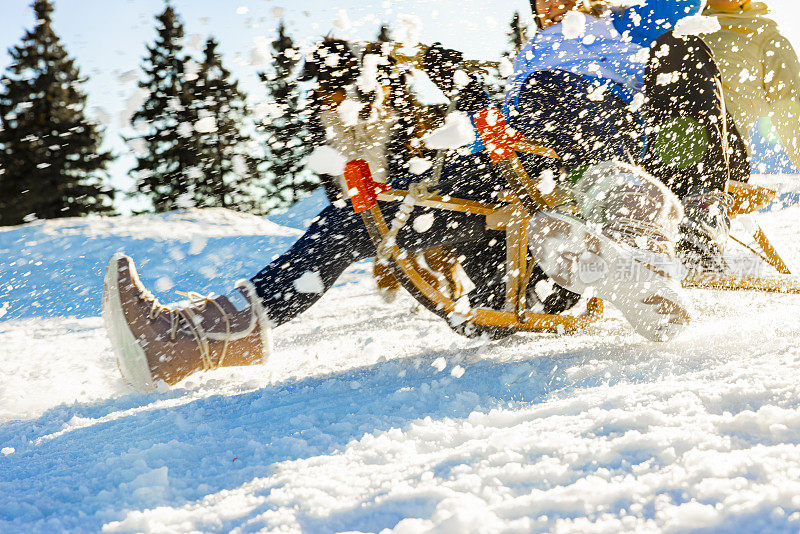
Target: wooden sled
{"x": 511, "y": 214}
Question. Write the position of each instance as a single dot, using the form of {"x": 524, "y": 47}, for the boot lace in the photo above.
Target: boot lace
{"x": 706, "y": 199}
{"x": 631, "y": 228}
{"x": 189, "y": 317}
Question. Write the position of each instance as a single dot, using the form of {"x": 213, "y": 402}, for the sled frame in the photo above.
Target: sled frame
{"x": 511, "y": 214}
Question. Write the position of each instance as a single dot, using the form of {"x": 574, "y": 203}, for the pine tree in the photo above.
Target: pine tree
{"x": 228, "y": 169}
{"x": 51, "y": 164}
{"x": 516, "y": 34}
{"x": 384, "y": 34}
{"x": 286, "y": 128}
{"x": 167, "y": 169}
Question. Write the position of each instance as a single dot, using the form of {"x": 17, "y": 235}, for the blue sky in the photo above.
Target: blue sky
{"x": 108, "y": 37}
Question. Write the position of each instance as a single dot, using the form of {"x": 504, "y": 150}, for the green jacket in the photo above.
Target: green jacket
{"x": 760, "y": 72}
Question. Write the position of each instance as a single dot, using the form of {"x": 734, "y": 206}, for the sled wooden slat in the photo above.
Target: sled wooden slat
{"x": 525, "y": 188}
{"x": 540, "y": 321}
{"x": 748, "y": 198}
{"x": 771, "y": 255}
{"x": 535, "y": 149}
{"x": 768, "y": 284}
{"x": 516, "y": 262}
{"x": 447, "y": 203}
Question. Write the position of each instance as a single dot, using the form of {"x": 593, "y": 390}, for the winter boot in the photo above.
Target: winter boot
{"x": 624, "y": 250}
{"x": 155, "y": 343}
{"x": 704, "y": 231}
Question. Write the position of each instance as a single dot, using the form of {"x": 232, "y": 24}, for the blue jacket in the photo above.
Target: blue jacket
{"x": 612, "y": 49}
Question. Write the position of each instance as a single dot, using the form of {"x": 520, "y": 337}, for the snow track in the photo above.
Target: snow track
{"x": 372, "y": 417}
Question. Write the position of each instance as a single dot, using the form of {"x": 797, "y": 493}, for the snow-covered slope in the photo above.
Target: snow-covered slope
{"x": 302, "y": 212}
{"x": 52, "y": 268}
{"x": 372, "y": 417}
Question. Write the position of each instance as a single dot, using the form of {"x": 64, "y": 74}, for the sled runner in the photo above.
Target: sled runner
{"x": 511, "y": 213}
{"x": 748, "y": 199}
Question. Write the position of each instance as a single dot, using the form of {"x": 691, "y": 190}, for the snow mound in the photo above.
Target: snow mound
{"x": 178, "y": 225}
{"x": 55, "y": 267}
{"x": 303, "y": 211}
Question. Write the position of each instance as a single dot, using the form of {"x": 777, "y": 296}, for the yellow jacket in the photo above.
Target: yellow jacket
{"x": 760, "y": 72}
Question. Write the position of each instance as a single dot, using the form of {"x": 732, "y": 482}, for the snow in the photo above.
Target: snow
{"x": 573, "y": 26}
{"x": 348, "y": 111}
{"x": 505, "y": 68}
{"x": 696, "y": 25}
{"x": 303, "y": 212}
{"x": 461, "y": 78}
{"x": 667, "y": 78}
{"x": 206, "y": 125}
{"x": 547, "y": 182}
{"x": 195, "y": 41}
{"x": 368, "y": 78}
{"x": 456, "y": 132}
{"x": 52, "y": 268}
{"x": 191, "y": 70}
{"x": 371, "y": 417}
{"x": 419, "y": 165}
{"x": 409, "y": 29}
{"x": 422, "y": 223}
{"x": 342, "y": 21}
{"x": 325, "y": 159}
{"x": 260, "y": 53}
{"x": 309, "y": 282}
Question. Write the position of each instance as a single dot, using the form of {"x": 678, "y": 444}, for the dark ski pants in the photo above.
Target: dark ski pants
{"x": 680, "y": 132}
{"x": 337, "y": 238}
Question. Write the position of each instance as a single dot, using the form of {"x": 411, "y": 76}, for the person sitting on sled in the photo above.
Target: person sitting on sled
{"x": 595, "y": 95}
{"x": 759, "y": 68}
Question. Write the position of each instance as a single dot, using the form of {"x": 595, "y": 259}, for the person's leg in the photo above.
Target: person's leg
{"x": 739, "y": 161}
{"x": 692, "y": 146}
{"x": 582, "y": 120}
{"x": 154, "y": 342}
{"x": 338, "y": 238}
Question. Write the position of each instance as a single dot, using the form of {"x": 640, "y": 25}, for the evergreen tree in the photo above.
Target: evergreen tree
{"x": 287, "y": 127}
{"x": 384, "y": 34}
{"x": 227, "y": 168}
{"x": 167, "y": 169}
{"x": 516, "y": 34}
{"x": 50, "y": 159}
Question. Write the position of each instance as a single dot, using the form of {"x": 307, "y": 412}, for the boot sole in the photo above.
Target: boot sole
{"x": 131, "y": 359}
